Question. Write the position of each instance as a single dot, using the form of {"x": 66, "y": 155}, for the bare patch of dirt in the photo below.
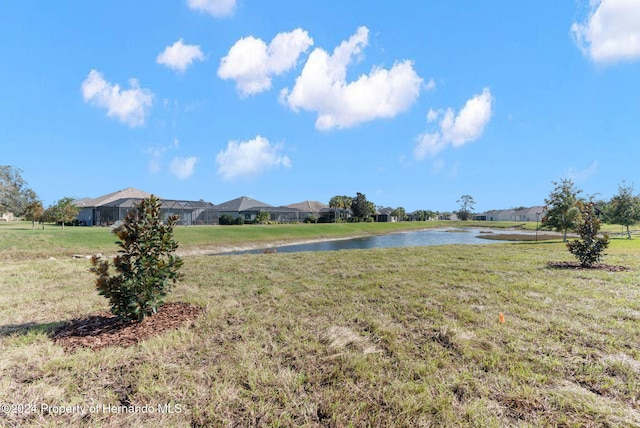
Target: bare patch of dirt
{"x": 100, "y": 330}
{"x": 597, "y": 266}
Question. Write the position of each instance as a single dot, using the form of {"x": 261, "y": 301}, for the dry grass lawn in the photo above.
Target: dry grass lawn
{"x": 388, "y": 337}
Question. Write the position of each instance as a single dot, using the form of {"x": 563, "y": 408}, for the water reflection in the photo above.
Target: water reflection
{"x": 426, "y": 237}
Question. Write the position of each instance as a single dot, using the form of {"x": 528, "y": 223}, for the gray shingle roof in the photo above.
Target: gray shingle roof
{"x": 242, "y": 203}
{"x": 309, "y": 206}
{"x": 129, "y": 192}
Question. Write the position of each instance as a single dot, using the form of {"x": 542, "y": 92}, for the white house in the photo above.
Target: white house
{"x": 524, "y": 214}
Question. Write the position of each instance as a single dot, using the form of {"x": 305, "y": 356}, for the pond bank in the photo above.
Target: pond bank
{"x": 415, "y": 238}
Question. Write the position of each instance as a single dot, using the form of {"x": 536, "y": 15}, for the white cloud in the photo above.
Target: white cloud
{"x": 251, "y": 63}
{"x": 156, "y": 154}
{"x": 179, "y": 56}
{"x": 611, "y": 32}
{"x": 155, "y": 163}
{"x": 129, "y": 106}
{"x": 458, "y": 130}
{"x": 183, "y": 167}
{"x": 322, "y": 87}
{"x": 249, "y": 158}
{"x": 579, "y": 175}
{"x": 432, "y": 115}
{"x": 431, "y": 85}
{"x": 217, "y": 8}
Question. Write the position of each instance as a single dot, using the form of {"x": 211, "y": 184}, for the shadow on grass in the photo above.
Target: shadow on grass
{"x": 30, "y": 327}
{"x": 597, "y": 266}
{"x": 520, "y": 237}
{"x": 100, "y": 330}
{"x": 539, "y": 242}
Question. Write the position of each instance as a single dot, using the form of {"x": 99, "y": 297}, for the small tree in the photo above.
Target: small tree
{"x": 466, "y": 207}
{"x": 561, "y": 211}
{"x": 340, "y": 203}
{"x": 146, "y": 268}
{"x": 62, "y": 211}
{"x": 624, "y": 208}
{"x": 14, "y": 195}
{"x": 590, "y": 249}
{"x": 361, "y": 207}
{"x": 424, "y": 215}
{"x": 400, "y": 213}
{"x": 34, "y": 212}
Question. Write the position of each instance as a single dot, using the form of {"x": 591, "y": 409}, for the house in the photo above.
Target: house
{"x": 520, "y": 214}
{"x": 7, "y": 217}
{"x": 248, "y": 209}
{"x": 311, "y": 208}
{"x": 108, "y": 209}
{"x": 448, "y": 217}
{"x": 243, "y": 207}
{"x": 384, "y": 215}
{"x": 285, "y": 214}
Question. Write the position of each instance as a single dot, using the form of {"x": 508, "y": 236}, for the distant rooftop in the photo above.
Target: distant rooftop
{"x": 129, "y": 192}
{"x": 242, "y": 203}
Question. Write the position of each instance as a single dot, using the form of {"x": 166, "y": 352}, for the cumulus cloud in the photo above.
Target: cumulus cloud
{"x": 243, "y": 159}
{"x": 456, "y": 130}
{"x": 179, "y": 56}
{"x": 322, "y": 87}
{"x": 251, "y": 62}
{"x": 217, "y": 8}
{"x": 183, "y": 167}
{"x": 611, "y": 32}
{"x": 129, "y": 106}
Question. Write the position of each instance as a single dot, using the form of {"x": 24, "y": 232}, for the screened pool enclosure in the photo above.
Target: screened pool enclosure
{"x": 188, "y": 212}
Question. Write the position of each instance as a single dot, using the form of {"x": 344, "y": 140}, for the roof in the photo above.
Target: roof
{"x": 282, "y": 209}
{"x": 532, "y": 211}
{"x": 242, "y": 203}
{"x": 385, "y": 211}
{"x": 128, "y": 193}
{"x": 169, "y": 204}
{"x": 309, "y": 206}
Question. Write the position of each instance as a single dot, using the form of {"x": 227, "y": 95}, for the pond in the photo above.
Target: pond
{"x": 425, "y": 237}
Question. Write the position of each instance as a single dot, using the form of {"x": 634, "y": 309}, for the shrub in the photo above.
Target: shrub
{"x": 146, "y": 269}
{"x": 590, "y": 249}
{"x": 263, "y": 217}
{"x": 226, "y": 219}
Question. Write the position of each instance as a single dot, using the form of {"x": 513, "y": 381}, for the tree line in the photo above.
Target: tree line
{"x": 22, "y": 201}
{"x": 562, "y": 207}
{"x": 564, "y": 204}
{"x": 362, "y": 209}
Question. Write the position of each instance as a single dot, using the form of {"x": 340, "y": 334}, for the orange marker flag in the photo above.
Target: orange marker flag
{"x": 501, "y": 318}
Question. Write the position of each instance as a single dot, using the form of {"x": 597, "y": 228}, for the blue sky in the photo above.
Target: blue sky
{"x": 412, "y": 103}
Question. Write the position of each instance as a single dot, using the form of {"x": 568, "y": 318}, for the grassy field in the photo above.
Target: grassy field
{"x": 384, "y": 337}
{"x": 18, "y": 241}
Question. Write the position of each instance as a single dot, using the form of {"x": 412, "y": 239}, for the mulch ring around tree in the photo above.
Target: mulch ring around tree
{"x": 100, "y": 330}
{"x": 597, "y": 266}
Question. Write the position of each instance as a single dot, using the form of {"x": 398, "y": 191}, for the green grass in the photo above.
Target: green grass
{"x": 384, "y": 337}
{"x": 18, "y": 241}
